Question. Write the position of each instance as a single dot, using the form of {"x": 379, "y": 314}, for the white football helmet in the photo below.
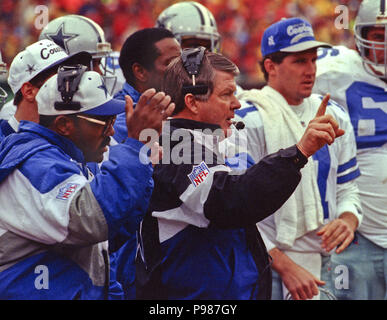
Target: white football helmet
{"x": 372, "y": 13}
{"x": 192, "y": 23}
{"x": 3, "y": 70}
{"x": 75, "y": 33}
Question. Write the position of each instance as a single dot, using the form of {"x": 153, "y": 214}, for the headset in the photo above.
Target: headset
{"x": 68, "y": 81}
{"x": 192, "y": 59}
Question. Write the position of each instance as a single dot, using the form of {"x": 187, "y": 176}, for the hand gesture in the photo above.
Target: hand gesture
{"x": 321, "y": 130}
{"x": 151, "y": 110}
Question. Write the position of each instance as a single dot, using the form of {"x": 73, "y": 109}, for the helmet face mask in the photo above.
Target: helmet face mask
{"x": 192, "y": 24}
{"x": 108, "y": 67}
{"x": 3, "y": 70}
{"x": 75, "y": 33}
{"x": 371, "y": 35}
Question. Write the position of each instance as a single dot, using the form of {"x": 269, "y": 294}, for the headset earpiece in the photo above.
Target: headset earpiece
{"x": 192, "y": 60}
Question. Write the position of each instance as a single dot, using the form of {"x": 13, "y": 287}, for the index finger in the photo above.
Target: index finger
{"x": 323, "y": 106}
{"x": 146, "y": 96}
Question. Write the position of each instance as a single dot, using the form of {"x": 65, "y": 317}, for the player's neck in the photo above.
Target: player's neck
{"x": 27, "y": 111}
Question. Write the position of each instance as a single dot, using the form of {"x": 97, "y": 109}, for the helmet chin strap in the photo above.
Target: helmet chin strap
{"x": 3, "y": 95}
{"x": 375, "y": 70}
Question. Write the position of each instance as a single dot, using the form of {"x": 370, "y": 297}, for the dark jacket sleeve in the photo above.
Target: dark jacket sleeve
{"x": 240, "y": 200}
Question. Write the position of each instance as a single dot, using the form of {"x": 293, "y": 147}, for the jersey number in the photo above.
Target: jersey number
{"x": 367, "y": 107}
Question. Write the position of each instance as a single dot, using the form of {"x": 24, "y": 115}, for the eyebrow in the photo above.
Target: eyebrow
{"x": 228, "y": 88}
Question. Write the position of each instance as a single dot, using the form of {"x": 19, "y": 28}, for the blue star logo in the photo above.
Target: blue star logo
{"x": 103, "y": 87}
{"x": 30, "y": 68}
{"x": 61, "y": 38}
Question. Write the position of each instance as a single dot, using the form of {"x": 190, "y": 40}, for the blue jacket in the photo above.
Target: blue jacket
{"x": 123, "y": 260}
{"x": 56, "y": 215}
{"x": 5, "y": 129}
{"x": 121, "y": 132}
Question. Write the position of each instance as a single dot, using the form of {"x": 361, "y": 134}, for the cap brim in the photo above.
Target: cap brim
{"x": 306, "y": 45}
{"x": 109, "y": 108}
{"x": 82, "y": 57}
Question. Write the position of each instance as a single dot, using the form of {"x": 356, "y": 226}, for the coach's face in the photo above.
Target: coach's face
{"x": 295, "y": 76}
{"x": 220, "y": 107}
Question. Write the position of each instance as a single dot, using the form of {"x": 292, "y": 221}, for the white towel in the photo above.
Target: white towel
{"x": 302, "y": 212}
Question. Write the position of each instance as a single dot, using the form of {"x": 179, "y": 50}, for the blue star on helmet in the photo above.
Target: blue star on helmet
{"x": 61, "y": 38}
{"x": 103, "y": 87}
{"x": 30, "y": 68}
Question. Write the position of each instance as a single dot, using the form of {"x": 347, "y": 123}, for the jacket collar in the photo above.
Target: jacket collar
{"x": 127, "y": 89}
{"x": 51, "y": 136}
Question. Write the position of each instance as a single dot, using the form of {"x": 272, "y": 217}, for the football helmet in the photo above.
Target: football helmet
{"x": 372, "y": 13}
{"x": 75, "y": 33}
{"x": 3, "y": 70}
{"x": 192, "y": 24}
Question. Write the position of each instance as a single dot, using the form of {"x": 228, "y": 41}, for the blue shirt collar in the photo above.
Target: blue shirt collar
{"x": 127, "y": 89}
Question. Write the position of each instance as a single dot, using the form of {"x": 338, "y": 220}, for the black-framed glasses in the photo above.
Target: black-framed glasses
{"x": 106, "y": 123}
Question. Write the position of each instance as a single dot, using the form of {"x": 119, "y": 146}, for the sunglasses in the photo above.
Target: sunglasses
{"x": 107, "y": 124}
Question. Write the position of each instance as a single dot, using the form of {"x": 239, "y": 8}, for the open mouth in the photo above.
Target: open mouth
{"x": 229, "y": 121}
{"x": 308, "y": 83}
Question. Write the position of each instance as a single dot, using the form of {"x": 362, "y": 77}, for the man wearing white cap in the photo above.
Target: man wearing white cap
{"x": 28, "y": 70}
{"x": 325, "y": 210}
{"x": 56, "y": 215}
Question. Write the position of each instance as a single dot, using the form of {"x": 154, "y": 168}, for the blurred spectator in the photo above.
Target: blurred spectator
{"x": 240, "y": 22}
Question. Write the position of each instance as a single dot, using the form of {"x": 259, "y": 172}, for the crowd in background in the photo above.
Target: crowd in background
{"x": 240, "y": 22}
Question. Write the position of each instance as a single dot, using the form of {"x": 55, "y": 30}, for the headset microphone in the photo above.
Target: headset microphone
{"x": 239, "y": 125}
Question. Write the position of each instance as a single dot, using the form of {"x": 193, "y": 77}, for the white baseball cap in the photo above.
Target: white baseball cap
{"x": 92, "y": 95}
{"x": 36, "y": 58}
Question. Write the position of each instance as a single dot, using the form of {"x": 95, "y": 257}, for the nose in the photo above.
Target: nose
{"x": 235, "y": 103}
{"x": 109, "y": 131}
{"x": 311, "y": 68}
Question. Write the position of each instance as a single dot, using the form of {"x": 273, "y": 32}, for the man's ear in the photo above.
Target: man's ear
{"x": 64, "y": 126}
{"x": 191, "y": 103}
{"x": 270, "y": 68}
{"x": 29, "y": 92}
{"x": 140, "y": 73}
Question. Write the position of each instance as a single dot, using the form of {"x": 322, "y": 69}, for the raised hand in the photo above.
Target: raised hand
{"x": 322, "y": 129}
{"x": 151, "y": 110}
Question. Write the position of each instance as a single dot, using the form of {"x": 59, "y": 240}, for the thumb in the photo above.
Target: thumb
{"x": 340, "y": 132}
{"x": 319, "y": 282}
{"x": 128, "y": 106}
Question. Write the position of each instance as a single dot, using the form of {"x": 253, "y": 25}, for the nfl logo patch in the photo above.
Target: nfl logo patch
{"x": 199, "y": 174}
{"x": 66, "y": 191}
